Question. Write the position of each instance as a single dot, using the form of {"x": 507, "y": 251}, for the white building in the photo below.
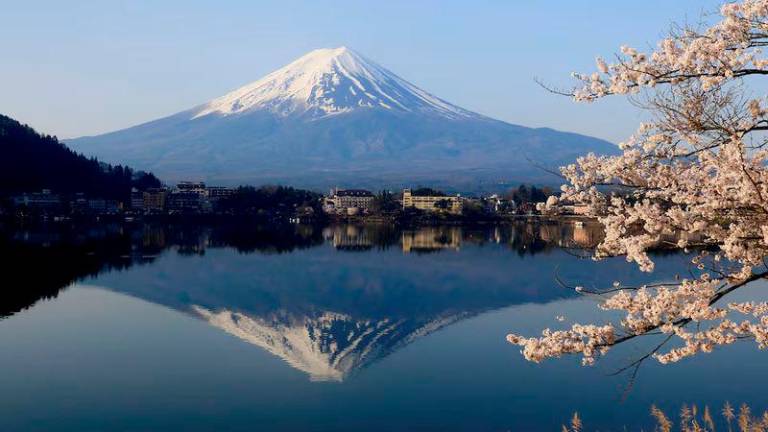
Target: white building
{"x": 432, "y": 203}
{"x": 349, "y": 201}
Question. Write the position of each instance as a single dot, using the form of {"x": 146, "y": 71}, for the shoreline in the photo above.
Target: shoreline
{"x": 280, "y": 220}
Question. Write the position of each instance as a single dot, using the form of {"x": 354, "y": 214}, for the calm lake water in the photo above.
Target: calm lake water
{"x": 343, "y": 328}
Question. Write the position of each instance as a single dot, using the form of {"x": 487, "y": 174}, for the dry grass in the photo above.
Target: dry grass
{"x": 693, "y": 419}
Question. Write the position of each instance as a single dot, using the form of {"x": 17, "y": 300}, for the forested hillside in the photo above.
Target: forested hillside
{"x": 31, "y": 162}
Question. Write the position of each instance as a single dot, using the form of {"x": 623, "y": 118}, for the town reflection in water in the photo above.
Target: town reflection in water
{"x": 524, "y": 237}
{"x": 328, "y": 321}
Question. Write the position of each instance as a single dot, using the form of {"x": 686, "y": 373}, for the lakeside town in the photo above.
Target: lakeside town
{"x": 280, "y": 203}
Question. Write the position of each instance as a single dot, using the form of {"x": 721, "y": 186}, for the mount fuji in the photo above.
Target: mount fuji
{"x": 334, "y": 117}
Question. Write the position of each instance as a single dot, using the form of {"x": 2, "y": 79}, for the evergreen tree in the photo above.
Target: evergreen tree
{"x": 31, "y": 162}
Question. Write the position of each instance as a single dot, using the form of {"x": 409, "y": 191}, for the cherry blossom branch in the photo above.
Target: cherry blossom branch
{"x": 695, "y": 176}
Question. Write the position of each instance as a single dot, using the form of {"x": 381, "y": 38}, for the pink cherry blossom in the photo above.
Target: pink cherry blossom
{"x": 694, "y": 178}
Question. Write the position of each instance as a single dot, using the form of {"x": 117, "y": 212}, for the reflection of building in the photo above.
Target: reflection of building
{"x": 450, "y": 204}
{"x": 349, "y": 201}
{"x": 351, "y": 237}
{"x": 432, "y": 239}
{"x": 153, "y": 237}
{"x": 575, "y": 234}
{"x": 551, "y": 234}
{"x": 587, "y": 236}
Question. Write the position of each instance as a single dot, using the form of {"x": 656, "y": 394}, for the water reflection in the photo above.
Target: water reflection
{"x": 411, "y": 320}
{"x": 328, "y": 315}
{"x": 328, "y": 346}
{"x": 38, "y": 264}
{"x": 431, "y": 239}
{"x": 529, "y": 238}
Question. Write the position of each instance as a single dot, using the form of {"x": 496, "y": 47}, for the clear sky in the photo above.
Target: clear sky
{"x": 74, "y": 68}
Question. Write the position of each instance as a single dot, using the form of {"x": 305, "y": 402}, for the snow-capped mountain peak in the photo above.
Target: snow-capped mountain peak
{"x": 328, "y": 82}
{"x": 333, "y": 117}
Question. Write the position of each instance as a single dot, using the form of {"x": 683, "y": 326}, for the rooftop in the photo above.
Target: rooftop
{"x": 354, "y": 193}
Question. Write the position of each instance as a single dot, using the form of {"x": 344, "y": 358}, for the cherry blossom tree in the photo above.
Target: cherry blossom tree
{"x": 698, "y": 169}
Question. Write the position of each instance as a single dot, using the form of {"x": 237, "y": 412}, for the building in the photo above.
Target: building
{"x": 137, "y": 200}
{"x": 432, "y": 203}
{"x": 526, "y": 208}
{"x": 497, "y": 204}
{"x": 581, "y": 209}
{"x": 349, "y": 201}
{"x": 194, "y": 187}
{"x": 42, "y": 199}
{"x": 215, "y": 193}
{"x": 185, "y": 202}
{"x": 104, "y": 206}
{"x": 154, "y": 199}
{"x": 574, "y": 209}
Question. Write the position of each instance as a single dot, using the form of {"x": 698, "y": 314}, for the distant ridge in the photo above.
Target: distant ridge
{"x": 335, "y": 117}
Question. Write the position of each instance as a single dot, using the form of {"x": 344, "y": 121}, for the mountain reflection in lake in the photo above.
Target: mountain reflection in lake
{"x": 411, "y": 321}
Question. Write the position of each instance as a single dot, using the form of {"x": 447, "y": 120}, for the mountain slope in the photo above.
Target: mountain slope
{"x": 334, "y": 117}
{"x": 31, "y": 162}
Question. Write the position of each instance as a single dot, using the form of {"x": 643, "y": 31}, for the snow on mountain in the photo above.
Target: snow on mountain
{"x": 334, "y": 117}
{"x": 327, "y": 82}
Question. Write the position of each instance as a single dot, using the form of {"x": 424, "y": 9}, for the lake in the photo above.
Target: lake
{"x": 348, "y": 328}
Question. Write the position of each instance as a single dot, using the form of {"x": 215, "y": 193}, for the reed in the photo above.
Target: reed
{"x": 693, "y": 419}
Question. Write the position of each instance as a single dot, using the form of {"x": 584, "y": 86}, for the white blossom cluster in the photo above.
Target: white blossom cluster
{"x": 694, "y": 177}
{"x": 725, "y": 50}
{"x": 588, "y": 340}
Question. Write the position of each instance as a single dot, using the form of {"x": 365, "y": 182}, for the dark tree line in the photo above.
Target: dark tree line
{"x": 425, "y": 191}
{"x": 67, "y": 257}
{"x": 270, "y": 201}
{"x": 30, "y": 162}
{"x": 529, "y": 194}
{"x": 386, "y": 202}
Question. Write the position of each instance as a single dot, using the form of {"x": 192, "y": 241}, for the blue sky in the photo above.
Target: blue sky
{"x": 86, "y": 67}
